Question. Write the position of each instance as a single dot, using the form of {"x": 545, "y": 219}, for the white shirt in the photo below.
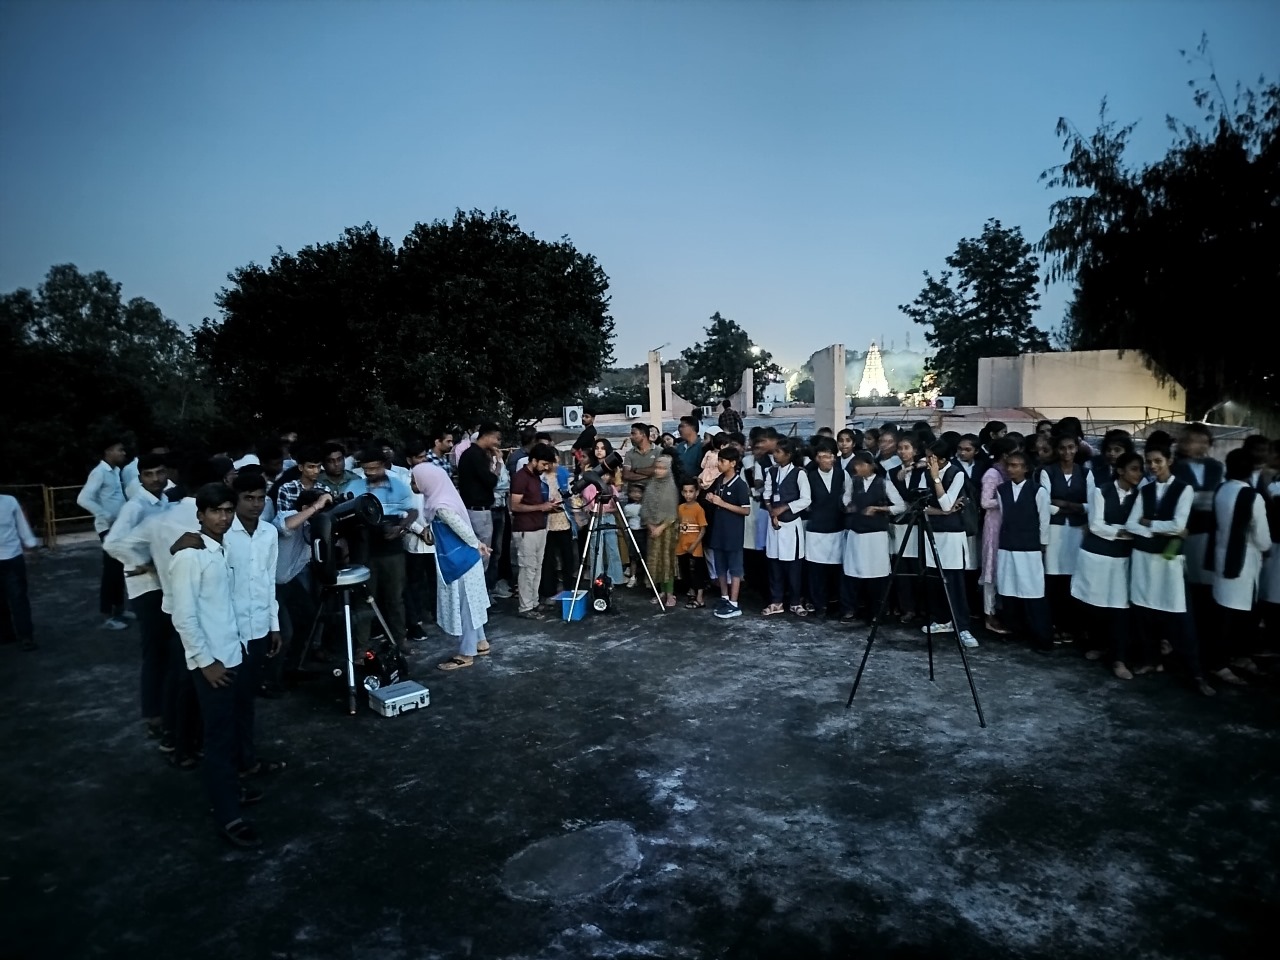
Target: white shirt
{"x": 117, "y": 543}
{"x": 199, "y": 594}
{"x": 806, "y": 494}
{"x": 150, "y": 541}
{"x": 102, "y": 495}
{"x": 15, "y": 532}
{"x": 252, "y": 560}
{"x": 133, "y": 488}
{"x": 1181, "y": 514}
{"x": 294, "y": 547}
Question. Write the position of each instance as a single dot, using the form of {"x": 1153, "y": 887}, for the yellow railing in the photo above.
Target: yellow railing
{"x": 49, "y": 510}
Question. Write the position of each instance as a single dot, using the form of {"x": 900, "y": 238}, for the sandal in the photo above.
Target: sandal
{"x": 799, "y": 610}
{"x": 263, "y": 768}
{"x": 241, "y": 834}
{"x": 484, "y": 651}
{"x": 670, "y": 603}
{"x": 694, "y": 605}
{"x": 773, "y": 609}
{"x": 455, "y": 663}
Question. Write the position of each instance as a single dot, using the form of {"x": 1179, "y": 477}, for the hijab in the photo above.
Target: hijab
{"x": 438, "y": 491}
{"x": 661, "y": 498}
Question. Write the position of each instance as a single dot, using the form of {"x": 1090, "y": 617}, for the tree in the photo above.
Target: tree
{"x": 986, "y": 312}
{"x": 1161, "y": 253}
{"x": 469, "y": 318}
{"x": 715, "y": 366}
{"x": 802, "y": 392}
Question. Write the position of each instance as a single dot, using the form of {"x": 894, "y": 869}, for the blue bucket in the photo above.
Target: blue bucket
{"x": 573, "y": 604}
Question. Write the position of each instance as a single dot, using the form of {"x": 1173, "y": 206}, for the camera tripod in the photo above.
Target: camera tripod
{"x": 919, "y": 525}
{"x": 336, "y": 598}
{"x": 594, "y": 541}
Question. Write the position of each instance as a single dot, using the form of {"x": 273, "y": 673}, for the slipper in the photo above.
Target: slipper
{"x": 799, "y": 611}
{"x": 694, "y": 605}
{"x": 772, "y": 610}
{"x": 264, "y": 767}
{"x": 455, "y": 663}
{"x": 484, "y": 651}
{"x": 670, "y": 603}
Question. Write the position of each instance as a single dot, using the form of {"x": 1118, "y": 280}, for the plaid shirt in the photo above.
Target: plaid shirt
{"x": 444, "y": 463}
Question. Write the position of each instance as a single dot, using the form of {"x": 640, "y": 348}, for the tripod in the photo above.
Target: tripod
{"x": 599, "y": 508}
{"x": 918, "y": 524}
{"x": 338, "y": 595}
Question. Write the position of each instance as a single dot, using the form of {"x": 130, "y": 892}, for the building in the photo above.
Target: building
{"x": 873, "y": 382}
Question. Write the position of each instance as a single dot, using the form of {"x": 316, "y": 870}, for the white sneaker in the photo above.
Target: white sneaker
{"x": 501, "y": 590}
{"x": 968, "y": 639}
{"x": 129, "y": 615}
{"x": 114, "y": 623}
{"x": 939, "y": 628}
{"x": 631, "y": 582}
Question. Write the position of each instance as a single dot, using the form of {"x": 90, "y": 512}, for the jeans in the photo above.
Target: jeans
{"x": 608, "y": 561}
{"x": 15, "y": 612}
{"x": 228, "y": 726}
{"x": 154, "y": 627}
{"x": 529, "y": 550}
{"x": 559, "y": 562}
{"x": 297, "y": 614}
{"x": 111, "y": 586}
{"x": 486, "y": 526}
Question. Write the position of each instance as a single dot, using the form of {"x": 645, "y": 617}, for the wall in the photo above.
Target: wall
{"x": 829, "y": 387}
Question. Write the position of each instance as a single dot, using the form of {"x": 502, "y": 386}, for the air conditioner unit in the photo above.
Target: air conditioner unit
{"x": 764, "y": 408}
{"x": 572, "y": 417}
{"x": 708, "y": 413}
{"x": 945, "y": 403}
{"x": 634, "y": 410}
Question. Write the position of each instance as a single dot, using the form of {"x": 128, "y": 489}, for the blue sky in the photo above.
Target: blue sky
{"x": 792, "y": 165}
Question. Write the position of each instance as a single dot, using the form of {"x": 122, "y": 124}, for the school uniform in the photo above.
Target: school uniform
{"x": 1066, "y": 533}
{"x": 1269, "y": 589}
{"x": 824, "y": 531}
{"x": 1101, "y": 580}
{"x": 1157, "y": 584}
{"x": 784, "y": 545}
{"x": 911, "y": 487}
{"x": 972, "y": 512}
{"x": 953, "y": 549}
{"x": 866, "y": 562}
{"x": 1024, "y": 533}
{"x": 1234, "y": 557}
{"x": 1203, "y": 477}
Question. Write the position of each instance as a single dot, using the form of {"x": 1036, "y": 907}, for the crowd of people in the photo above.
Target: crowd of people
{"x": 1145, "y": 560}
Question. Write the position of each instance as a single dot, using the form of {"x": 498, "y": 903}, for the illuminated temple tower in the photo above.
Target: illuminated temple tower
{"x": 873, "y": 383}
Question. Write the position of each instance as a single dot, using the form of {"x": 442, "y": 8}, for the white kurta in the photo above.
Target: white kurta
{"x": 1064, "y": 540}
{"x": 1194, "y": 548}
{"x": 469, "y": 589}
{"x": 953, "y": 548}
{"x": 1101, "y": 581}
{"x": 825, "y": 547}
{"x": 1238, "y": 593}
{"x": 1020, "y": 573}
{"x": 1154, "y": 582}
{"x": 787, "y": 541}
{"x": 867, "y": 555}
{"x": 898, "y": 531}
{"x": 1270, "y": 588}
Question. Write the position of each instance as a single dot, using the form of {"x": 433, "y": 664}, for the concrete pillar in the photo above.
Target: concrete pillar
{"x": 744, "y": 401}
{"x": 829, "y": 406}
{"x": 655, "y": 387}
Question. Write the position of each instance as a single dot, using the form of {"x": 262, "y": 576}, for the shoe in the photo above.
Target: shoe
{"x": 501, "y": 590}
{"x": 631, "y": 583}
{"x": 967, "y": 639}
{"x": 250, "y": 795}
{"x": 1226, "y": 676}
{"x": 729, "y": 611}
{"x": 128, "y": 615}
{"x": 534, "y": 614}
{"x": 940, "y": 628}
{"x": 166, "y": 744}
{"x": 114, "y": 623}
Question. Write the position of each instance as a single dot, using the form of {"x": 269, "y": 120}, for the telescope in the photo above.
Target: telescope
{"x": 598, "y": 476}
{"x": 351, "y": 513}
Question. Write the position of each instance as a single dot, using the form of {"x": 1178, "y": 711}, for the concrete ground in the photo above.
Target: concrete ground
{"x": 647, "y": 786}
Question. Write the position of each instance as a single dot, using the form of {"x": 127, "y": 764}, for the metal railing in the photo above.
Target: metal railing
{"x": 50, "y": 510}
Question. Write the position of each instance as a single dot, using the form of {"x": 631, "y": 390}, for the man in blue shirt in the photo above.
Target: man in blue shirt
{"x": 385, "y": 544}
{"x": 689, "y": 449}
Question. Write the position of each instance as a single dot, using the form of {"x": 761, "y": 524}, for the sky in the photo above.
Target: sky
{"x": 795, "y": 166}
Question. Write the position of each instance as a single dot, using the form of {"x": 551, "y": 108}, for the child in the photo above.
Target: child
{"x": 846, "y": 446}
{"x": 659, "y": 511}
{"x": 731, "y": 498}
{"x": 946, "y": 482}
{"x": 887, "y": 456}
{"x": 693, "y": 528}
{"x": 1203, "y": 475}
{"x": 1024, "y": 532}
{"x": 635, "y": 500}
{"x": 909, "y": 478}
{"x": 1235, "y": 559}
{"x": 824, "y": 528}
{"x": 1067, "y": 484}
{"x": 607, "y": 560}
{"x": 1157, "y": 578}
{"x": 1101, "y": 579}
{"x": 990, "y": 503}
{"x": 787, "y": 498}
{"x": 869, "y": 500}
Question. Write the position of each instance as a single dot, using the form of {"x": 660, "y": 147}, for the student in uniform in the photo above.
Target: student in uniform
{"x": 1024, "y": 534}
{"x": 910, "y": 479}
{"x": 870, "y": 500}
{"x": 1101, "y": 578}
{"x": 887, "y": 456}
{"x": 992, "y": 432}
{"x": 786, "y": 497}
{"x": 16, "y": 539}
{"x": 1067, "y": 484}
{"x": 824, "y": 527}
{"x": 966, "y": 447}
{"x": 1234, "y": 557}
{"x": 1157, "y": 578}
{"x": 1203, "y": 475}
{"x": 103, "y": 496}
{"x": 946, "y": 483}
{"x": 848, "y": 442}
{"x": 1115, "y": 444}
{"x": 990, "y": 503}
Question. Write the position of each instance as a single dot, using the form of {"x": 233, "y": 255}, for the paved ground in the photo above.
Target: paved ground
{"x": 648, "y": 787}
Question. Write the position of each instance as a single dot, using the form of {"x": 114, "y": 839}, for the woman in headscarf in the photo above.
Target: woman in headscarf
{"x": 462, "y": 607}
{"x": 658, "y": 513}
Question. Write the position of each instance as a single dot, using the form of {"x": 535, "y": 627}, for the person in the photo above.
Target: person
{"x": 991, "y": 480}
{"x": 993, "y": 431}
{"x": 143, "y": 586}
{"x": 560, "y": 558}
{"x": 946, "y": 483}
{"x": 887, "y": 457}
{"x": 335, "y": 477}
{"x": 729, "y": 421}
{"x": 1067, "y": 484}
{"x": 205, "y": 619}
{"x": 1269, "y": 589}
{"x": 529, "y": 509}
{"x": 1158, "y": 589}
{"x": 606, "y": 558}
{"x": 659, "y": 512}
{"x": 129, "y": 473}
{"x": 869, "y": 500}
{"x": 587, "y": 438}
{"x": 103, "y": 496}
{"x": 637, "y": 465}
{"x": 440, "y": 450}
{"x": 632, "y": 510}
{"x": 824, "y": 534}
{"x": 1115, "y": 444}
{"x": 787, "y": 497}
{"x": 688, "y": 450}
{"x": 730, "y": 497}
{"x": 1101, "y": 577}
{"x": 1203, "y": 474}
{"x": 385, "y": 545}
{"x": 478, "y": 472}
{"x": 310, "y": 468}
{"x": 689, "y": 552}
{"x": 847, "y": 444}
{"x": 1234, "y": 557}
{"x": 910, "y": 479}
{"x": 966, "y": 448}
{"x": 1024, "y": 535}
{"x": 16, "y": 540}
{"x": 462, "y": 606}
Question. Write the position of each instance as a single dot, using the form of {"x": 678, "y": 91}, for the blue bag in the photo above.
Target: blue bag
{"x": 453, "y": 557}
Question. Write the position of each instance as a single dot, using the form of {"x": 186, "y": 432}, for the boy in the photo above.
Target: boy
{"x": 205, "y": 617}
{"x": 731, "y": 497}
{"x": 1024, "y": 535}
{"x": 103, "y": 496}
{"x": 692, "y": 522}
{"x": 16, "y": 539}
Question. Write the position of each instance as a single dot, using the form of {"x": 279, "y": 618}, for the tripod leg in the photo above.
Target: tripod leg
{"x": 582, "y": 566}
{"x": 622, "y": 519}
{"x": 951, "y": 609}
{"x": 378, "y": 613}
{"x": 351, "y": 652}
{"x": 875, "y": 621}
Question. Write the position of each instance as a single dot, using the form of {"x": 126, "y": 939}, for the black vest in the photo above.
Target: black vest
{"x": 1115, "y": 511}
{"x": 1162, "y": 511}
{"x": 972, "y": 512}
{"x": 948, "y": 522}
{"x": 826, "y": 512}
{"x": 859, "y": 500}
{"x": 1102, "y": 471}
{"x": 910, "y": 490}
{"x": 1020, "y": 519}
{"x": 788, "y": 491}
{"x": 1201, "y": 521}
{"x": 1074, "y": 490}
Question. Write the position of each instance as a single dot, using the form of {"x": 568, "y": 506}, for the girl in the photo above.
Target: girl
{"x": 991, "y": 481}
{"x": 1115, "y": 445}
{"x": 462, "y": 607}
{"x": 1071, "y": 427}
{"x": 909, "y": 478}
{"x": 1101, "y": 579}
{"x": 1068, "y": 488}
{"x": 1024, "y": 533}
{"x": 824, "y": 527}
{"x": 607, "y": 560}
{"x": 658, "y": 513}
{"x": 966, "y": 448}
{"x": 946, "y": 482}
{"x": 887, "y": 457}
{"x": 988, "y": 435}
{"x": 1157, "y": 573}
{"x": 1269, "y": 592}
{"x": 869, "y": 502}
{"x": 1046, "y": 455}
{"x": 846, "y": 446}
{"x": 786, "y": 498}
